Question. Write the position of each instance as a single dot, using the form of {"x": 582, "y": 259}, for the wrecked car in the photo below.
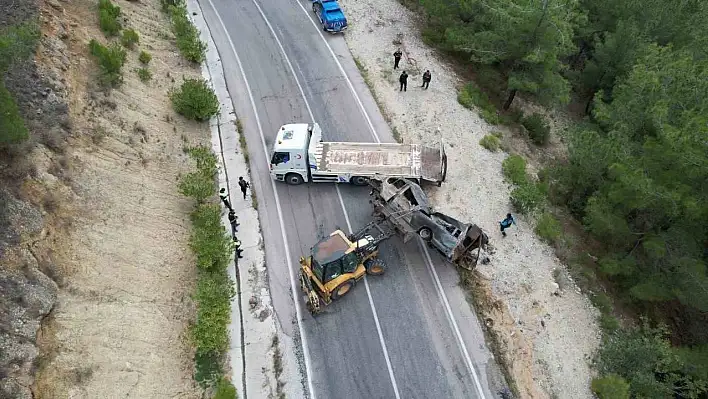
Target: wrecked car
{"x": 404, "y": 204}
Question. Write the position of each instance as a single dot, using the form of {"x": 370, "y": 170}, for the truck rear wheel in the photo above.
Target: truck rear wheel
{"x": 293, "y": 179}
{"x": 342, "y": 289}
{"x": 359, "y": 180}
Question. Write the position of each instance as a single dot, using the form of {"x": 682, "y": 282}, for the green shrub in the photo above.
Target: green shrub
{"x": 12, "y": 127}
{"x": 213, "y": 299}
{"x": 548, "y": 227}
{"x": 195, "y": 100}
{"x": 199, "y": 185}
{"x": 108, "y": 14}
{"x": 187, "y": 35}
{"x": 538, "y": 128}
{"x": 610, "y": 386}
{"x": 110, "y": 60}
{"x": 17, "y": 42}
{"x": 207, "y": 367}
{"x": 470, "y": 96}
{"x": 527, "y": 198}
{"x": 490, "y": 142}
{"x": 608, "y": 323}
{"x": 130, "y": 38}
{"x": 144, "y": 74}
{"x": 645, "y": 358}
{"x": 209, "y": 241}
{"x": 225, "y": 390}
{"x": 145, "y": 57}
{"x": 514, "y": 169}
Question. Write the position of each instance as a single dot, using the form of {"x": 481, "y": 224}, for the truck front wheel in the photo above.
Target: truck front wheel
{"x": 293, "y": 179}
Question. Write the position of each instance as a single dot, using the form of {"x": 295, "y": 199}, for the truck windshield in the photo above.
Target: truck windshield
{"x": 280, "y": 157}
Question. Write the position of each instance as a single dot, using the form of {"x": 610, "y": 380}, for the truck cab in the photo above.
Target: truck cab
{"x": 294, "y": 145}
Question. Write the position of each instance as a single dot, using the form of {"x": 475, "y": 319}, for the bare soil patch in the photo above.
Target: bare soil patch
{"x": 123, "y": 260}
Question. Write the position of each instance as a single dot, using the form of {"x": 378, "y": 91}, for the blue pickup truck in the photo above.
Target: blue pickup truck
{"x": 331, "y": 16}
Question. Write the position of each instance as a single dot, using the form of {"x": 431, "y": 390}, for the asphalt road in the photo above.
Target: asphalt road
{"x": 407, "y": 334}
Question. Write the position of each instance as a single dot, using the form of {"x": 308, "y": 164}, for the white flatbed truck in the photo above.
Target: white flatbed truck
{"x": 300, "y": 156}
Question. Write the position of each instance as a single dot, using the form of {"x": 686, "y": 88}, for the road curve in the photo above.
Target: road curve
{"x": 408, "y": 334}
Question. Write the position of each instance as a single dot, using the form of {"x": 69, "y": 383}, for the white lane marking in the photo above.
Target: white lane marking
{"x": 346, "y": 216}
{"x": 373, "y": 308}
{"x": 346, "y": 77}
{"x": 453, "y": 322}
{"x": 429, "y": 262}
{"x": 294, "y": 287}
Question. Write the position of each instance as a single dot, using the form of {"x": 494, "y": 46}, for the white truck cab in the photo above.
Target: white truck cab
{"x": 299, "y": 155}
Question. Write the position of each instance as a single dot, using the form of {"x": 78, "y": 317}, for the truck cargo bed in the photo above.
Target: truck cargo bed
{"x": 368, "y": 159}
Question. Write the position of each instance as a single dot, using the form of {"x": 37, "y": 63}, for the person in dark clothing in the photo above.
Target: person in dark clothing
{"x": 506, "y": 223}
{"x": 225, "y": 198}
{"x": 404, "y": 81}
{"x": 397, "y": 58}
{"x": 244, "y": 185}
{"x": 426, "y": 79}
{"x": 237, "y": 247}
{"x": 233, "y": 220}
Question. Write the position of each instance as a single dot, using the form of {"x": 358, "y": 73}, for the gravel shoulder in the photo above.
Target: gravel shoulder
{"x": 545, "y": 327}
{"x": 119, "y": 328}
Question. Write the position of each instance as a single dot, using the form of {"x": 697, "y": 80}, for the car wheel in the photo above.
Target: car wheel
{"x": 359, "y": 180}
{"x": 293, "y": 179}
{"x": 425, "y": 233}
{"x": 314, "y": 8}
{"x": 375, "y": 267}
{"x": 342, "y": 289}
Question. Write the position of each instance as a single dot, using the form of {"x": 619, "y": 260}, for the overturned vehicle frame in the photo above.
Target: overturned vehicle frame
{"x": 403, "y": 203}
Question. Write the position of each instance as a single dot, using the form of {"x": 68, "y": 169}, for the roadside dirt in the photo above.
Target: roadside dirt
{"x": 546, "y": 329}
{"x": 121, "y": 258}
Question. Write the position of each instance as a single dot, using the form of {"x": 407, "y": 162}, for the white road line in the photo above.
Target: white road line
{"x": 346, "y": 216}
{"x": 294, "y": 287}
{"x": 344, "y": 73}
{"x": 373, "y": 308}
{"x": 429, "y": 263}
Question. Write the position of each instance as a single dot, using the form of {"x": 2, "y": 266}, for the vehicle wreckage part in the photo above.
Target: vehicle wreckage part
{"x": 425, "y": 234}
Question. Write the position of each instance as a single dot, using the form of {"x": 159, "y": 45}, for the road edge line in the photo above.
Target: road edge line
{"x": 228, "y": 104}
{"x": 346, "y": 216}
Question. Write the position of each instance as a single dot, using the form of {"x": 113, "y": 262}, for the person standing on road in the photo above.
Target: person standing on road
{"x": 233, "y": 221}
{"x": 225, "y": 198}
{"x": 244, "y": 185}
{"x": 397, "y": 58}
{"x": 404, "y": 81}
{"x": 506, "y": 223}
{"x": 426, "y": 79}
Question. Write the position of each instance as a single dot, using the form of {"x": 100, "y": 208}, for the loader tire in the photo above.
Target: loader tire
{"x": 425, "y": 233}
{"x": 375, "y": 267}
{"x": 342, "y": 289}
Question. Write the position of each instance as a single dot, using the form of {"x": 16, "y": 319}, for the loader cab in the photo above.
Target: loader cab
{"x": 333, "y": 257}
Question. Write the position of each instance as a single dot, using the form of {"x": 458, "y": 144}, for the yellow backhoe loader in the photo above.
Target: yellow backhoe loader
{"x": 337, "y": 262}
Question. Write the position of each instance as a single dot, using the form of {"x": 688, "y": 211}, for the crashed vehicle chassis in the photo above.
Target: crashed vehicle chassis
{"x": 405, "y": 206}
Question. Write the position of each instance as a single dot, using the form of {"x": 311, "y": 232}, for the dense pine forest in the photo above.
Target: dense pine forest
{"x": 634, "y": 75}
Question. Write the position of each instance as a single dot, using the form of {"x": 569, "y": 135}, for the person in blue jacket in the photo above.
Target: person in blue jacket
{"x": 506, "y": 223}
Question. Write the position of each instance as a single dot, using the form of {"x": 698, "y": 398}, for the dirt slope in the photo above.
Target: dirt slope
{"x": 122, "y": 259}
